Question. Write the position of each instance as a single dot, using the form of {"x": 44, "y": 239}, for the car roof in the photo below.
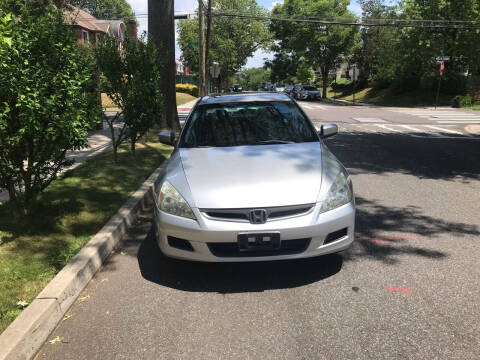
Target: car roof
{"x": 244, "y": 97}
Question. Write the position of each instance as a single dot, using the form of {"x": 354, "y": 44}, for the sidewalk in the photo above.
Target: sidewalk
{"x": 184, "y": 110}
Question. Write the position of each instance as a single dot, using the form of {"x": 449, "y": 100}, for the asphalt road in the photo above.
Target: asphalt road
{"x": 409, "y": 288}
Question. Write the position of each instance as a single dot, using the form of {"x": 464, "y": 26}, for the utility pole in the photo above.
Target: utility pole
{"x": 161, "y": 25}
{"x": 201, "y": 47}
{"x": 207, "y": 46}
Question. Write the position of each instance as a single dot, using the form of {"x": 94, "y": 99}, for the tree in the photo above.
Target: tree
{"x": 46, "y": 105}
{"x": 106, "y": 9}
{"x": 161, "y": 26}
{"x": 131, "y": 78}
{"x": 253, "y": 78}
{"x": 377, "y": 56}
{"x": 420, "y": 46}
{"x": 320, "y": 46}
{"x": 283, "y": 65}
{"x": 233, "y": 40}
{"x": 305, "y": 73}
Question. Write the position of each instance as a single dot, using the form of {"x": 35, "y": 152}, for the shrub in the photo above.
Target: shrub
{"x": 187, "y": 89}
{"x": 462, "y": 101}
{"x": 47, "y": 102}
{"x": 131, "y": 78}
{"x": 454, "y": 84}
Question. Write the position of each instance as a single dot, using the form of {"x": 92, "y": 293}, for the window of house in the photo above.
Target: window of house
{"x": 85, "y": 36}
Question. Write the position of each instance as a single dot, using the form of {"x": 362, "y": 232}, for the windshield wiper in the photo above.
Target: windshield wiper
{"x": 275, "y": 142}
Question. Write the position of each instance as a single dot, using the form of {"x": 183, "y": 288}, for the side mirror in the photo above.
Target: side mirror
{"x": 328, "y": 130}
{"x": 167, "y": 137}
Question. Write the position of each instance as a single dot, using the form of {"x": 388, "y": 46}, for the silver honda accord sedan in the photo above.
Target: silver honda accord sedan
{"x": 250, "y": 179}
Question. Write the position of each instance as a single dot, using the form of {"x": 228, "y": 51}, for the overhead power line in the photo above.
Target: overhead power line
{"x": 433, "y": 24}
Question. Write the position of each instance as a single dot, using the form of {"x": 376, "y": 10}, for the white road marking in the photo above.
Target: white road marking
{"x": 459, "y": 122}
{"x": 307, "y": 106}
{"x": 443, "y": 116}
{"x": 369, "y": 120}
{"x": 419, "y": 130}
{"x": 422, "y": 131}
{"x": 444, "y": 130}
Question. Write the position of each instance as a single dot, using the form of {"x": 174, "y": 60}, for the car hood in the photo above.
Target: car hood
{"x": 253, "y": 176}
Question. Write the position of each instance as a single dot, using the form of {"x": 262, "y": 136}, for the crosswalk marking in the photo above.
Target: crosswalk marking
{"x": 458, "y": 122}
{"x": 443, "y": 116}
{"x": 385, "y": 127}
{"x": 420, "y": 131}
{"x": 444, "y": 130}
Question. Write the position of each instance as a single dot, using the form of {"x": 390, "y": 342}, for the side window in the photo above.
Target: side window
{"x": 85, "y": 37}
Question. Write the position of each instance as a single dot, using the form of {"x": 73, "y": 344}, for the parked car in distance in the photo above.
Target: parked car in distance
{"x": 237, "y": 88}
{"x": 295, "y": 90}
{"x": 308, "y": 92}
{"x": 269, "y": 87}
{"x": 250, "y": 179}
{"x": 288, "y": 89}
{"x": 279, "y": 87}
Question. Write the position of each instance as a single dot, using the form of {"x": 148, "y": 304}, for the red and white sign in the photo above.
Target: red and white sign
{"x": 442, "y": 67}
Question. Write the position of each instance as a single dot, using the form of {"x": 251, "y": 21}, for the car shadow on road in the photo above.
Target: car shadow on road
{"x": 228, "y": 278}
{"x": 451, "y": 159}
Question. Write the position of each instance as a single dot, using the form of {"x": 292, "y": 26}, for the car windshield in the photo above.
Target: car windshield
{"x": 258, "y": 123}
{"x": 310, "y": 88}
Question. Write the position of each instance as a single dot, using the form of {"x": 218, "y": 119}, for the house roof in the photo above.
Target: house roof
{"x": 79, "y": 17}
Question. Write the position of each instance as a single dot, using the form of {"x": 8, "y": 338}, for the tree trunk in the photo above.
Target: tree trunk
{"x": 161, "y": 26}
{"x": 207, "y": 46}
{"x": 325, "y": 81}
{"x": 201, "y": 47}
{"x": 114, "y": 141}
{"x": 132, "y": 145}
{"x": 17, "y": 206}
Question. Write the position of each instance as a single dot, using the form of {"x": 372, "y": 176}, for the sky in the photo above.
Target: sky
{"x": 257, "y": 60}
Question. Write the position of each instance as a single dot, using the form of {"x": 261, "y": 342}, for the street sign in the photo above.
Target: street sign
{"x": 193, "y": 43}
{"x": 215, "y": 70}
{"x": 442, "y": 67}
{"x": 442, "y": 58}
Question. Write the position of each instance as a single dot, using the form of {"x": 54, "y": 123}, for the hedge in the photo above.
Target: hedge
{"x": 188, "y": 89}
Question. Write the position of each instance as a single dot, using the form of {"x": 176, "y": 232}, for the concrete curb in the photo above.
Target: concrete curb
{"x": 24, "y": 337}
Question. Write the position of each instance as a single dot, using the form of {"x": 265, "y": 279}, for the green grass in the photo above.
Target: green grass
{"x": 184, "y": 98}
{"x": 474, "y": 107}
{"x": 385, "y": 98}
{"x": 68, "y": 213}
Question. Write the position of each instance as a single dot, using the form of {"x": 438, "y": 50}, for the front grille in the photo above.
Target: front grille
{"x": 243, "y": 215}
{"x": 287, "y": 247}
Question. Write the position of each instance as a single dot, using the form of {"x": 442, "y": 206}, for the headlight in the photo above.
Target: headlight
{"x": 340, "y": 193}
{"x": 170, "y": 201}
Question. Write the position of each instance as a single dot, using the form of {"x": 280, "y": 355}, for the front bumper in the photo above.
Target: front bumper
{"x": 310, "y": 97}
{"x": 204, "y": 231}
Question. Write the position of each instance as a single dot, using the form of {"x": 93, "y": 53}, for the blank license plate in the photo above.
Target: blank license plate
{"x": 258, "y": 241}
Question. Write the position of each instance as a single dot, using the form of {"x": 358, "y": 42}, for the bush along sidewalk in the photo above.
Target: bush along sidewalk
{"x": 69, "y": 212}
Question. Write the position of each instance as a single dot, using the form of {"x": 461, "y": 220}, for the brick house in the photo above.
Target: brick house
{"x": 182, "y": 69}
{"x": 90, "y": 30}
